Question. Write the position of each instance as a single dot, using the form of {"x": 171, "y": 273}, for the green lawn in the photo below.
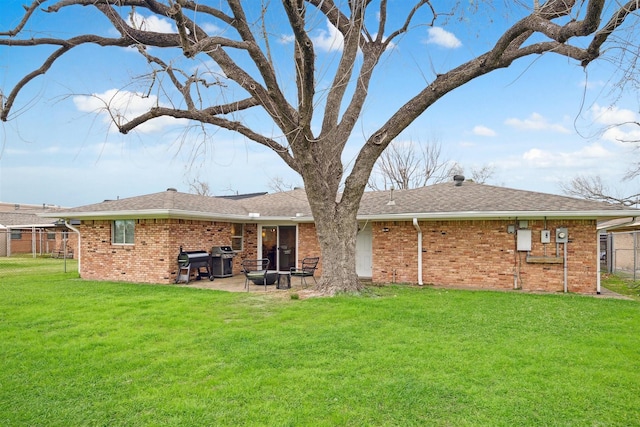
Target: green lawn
{"x": 622, "y": 284}
{"x": 75, "y": 353}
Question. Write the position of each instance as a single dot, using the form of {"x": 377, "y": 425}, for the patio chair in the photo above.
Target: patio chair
{"x": 255, "y": 270}
{"x": 307, "y": 269}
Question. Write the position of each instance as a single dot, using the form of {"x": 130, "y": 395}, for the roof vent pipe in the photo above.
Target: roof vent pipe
{"x": 391, "y": 202}
{"x": 458, "y": 179}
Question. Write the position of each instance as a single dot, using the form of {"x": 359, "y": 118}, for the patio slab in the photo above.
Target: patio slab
{"x": 235, "y": 283}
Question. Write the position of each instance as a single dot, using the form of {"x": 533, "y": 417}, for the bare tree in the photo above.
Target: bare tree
{"x": 482, "y": 174}
{"x": 196, "y": 186}
{"x": 403, "y": 165}
{"x": 278, "y": 184}
{"x": 592, "y": 188}
{"x": 250, "y": 80}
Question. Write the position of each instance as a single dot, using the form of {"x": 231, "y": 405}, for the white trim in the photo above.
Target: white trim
{"x": 466, "y": 215}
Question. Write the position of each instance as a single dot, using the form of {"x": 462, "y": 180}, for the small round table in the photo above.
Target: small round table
{"x": 284, "y": 280}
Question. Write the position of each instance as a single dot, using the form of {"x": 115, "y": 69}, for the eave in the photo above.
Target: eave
{"x": 496, "y": 215}
{"x": 166, "y": 214}
{"x": 245, "y": 218}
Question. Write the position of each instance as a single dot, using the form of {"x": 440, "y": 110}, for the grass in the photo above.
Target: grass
{"x": 622, "y": 284}
{"x": 75, "y": 352}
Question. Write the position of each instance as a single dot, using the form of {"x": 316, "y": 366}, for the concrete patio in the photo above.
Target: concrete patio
{"x": 235, "y": 283}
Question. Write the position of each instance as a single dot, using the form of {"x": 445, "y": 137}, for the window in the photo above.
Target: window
{"x": 236, "y": 237}
{"x": 51, "y": 235}
{"x": 122, "y": 232}
{"x": 16, "y": 234}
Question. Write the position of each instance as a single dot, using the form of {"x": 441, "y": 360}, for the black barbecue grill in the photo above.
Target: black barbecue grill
{"x": 222, "y": 261}
{"x": 198, "y": 262}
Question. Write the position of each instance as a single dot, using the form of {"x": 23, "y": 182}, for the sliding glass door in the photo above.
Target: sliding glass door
{"x": 279, "y": 246}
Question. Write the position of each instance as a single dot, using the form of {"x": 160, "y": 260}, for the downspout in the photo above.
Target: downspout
{"x": 33, "y": 241}
{"x": 78, "y": 251}
{"x": 598, "y": 262}
{"x": 417, "y": 227}
{"x": 565, "y": 267}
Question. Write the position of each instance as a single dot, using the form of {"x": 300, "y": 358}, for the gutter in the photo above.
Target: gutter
{"x": 417, "y": 227}
{"x": 490, "y": 215}
{"x": 75, "y": 230}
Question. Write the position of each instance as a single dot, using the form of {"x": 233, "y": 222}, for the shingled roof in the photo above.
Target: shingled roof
{"x": 441, "y": 201}
{"x": 23, "y": 220}
{"x": 480, "y": 200}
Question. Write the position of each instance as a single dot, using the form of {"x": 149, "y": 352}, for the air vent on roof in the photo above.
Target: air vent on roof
{"x": 391, "y": 202}
{"x": 172, "y": 189}
{"x": 458, "y": 179}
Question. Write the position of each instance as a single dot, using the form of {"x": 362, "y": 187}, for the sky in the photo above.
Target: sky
{"x": 538, "y": 124}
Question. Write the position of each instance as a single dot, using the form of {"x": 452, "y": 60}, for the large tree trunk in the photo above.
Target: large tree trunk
{"x": 335, "y": 217}
{"x": 337, "y": 238}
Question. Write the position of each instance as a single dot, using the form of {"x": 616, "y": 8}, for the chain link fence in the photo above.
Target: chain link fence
{"x": 621, "y": 254}
{"x": 18, "y": 244}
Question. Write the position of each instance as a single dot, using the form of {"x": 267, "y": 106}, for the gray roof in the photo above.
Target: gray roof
{"x": 21, "y": 219}
{"x": 480, "y": 200}
{"x": 158, "y": 205}
{"x": 441, "y": 201}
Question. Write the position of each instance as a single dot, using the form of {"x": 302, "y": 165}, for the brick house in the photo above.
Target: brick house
{"x": 450, "y": 234}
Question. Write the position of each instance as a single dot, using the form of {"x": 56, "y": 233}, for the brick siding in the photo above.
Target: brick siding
{"x": 153, "y": 256}
{"x": 308, "y": 245}
{"x": 483, "y": 254}
{"x": 455, "y": 253}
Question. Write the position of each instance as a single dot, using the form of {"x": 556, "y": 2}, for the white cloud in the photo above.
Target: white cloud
{"x": 585, "y": 157}
{"x": 535, "y": 122}
{"x": 123, "y": 106}
{"x": 623, "y": 134}
{"x": 592, "y": 84}
{"x": 151, "y": 23}
{"x": 612, "y": 115}
{"x": 286, "y": 39}
{"x": 483, "y": 131}
{"x": 621, "y": 124}
{"x": 330, "y": 40}
{"x": 442, "y": 38}
{"x": 211, "y": 29}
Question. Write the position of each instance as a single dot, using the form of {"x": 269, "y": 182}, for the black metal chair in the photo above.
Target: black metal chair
{"x": 307, "y": 269}
{"x": 255, "y": 270}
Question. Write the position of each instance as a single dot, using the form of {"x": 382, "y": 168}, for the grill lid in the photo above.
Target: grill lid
{"x": 193, "y": 257}
{"x": 221, "y": 250}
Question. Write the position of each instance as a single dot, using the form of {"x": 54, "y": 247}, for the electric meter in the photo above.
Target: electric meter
{"x": 562, "y": 235}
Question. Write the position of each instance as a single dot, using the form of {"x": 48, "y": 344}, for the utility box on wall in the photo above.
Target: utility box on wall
{"x": 562, "y": 235}
{"x": 545, "y": 236}
{"x": 523, "y": 240}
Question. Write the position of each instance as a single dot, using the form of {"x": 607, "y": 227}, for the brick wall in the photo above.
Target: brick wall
{"x": 153, "y": 256}
{"x": 455, "y": 253}
{"x": 483, "y": 254}
{"x": 308, "y": 245}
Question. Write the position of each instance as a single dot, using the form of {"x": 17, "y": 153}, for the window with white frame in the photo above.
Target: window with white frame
{"x": 236, "y": 237}
{"x": 122, "y": 232}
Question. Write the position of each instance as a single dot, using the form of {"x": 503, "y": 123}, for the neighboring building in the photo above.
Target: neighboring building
{"x": 22, "y": 231}
{"x": 451, "y": 234}
{"x": 620, "y": 246}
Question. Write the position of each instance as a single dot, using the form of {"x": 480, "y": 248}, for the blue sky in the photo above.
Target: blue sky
{"x": 537, "y": 124}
